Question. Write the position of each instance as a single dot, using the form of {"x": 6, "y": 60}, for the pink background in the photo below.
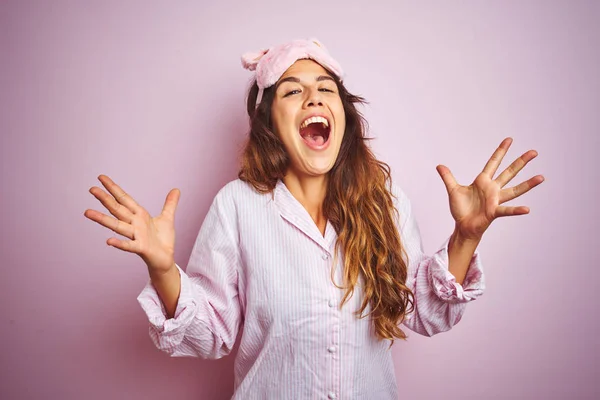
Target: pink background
{"x": 152, "y": 94}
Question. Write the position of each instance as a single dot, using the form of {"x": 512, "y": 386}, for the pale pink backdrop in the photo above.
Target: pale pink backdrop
{"x": 151, "y": 93}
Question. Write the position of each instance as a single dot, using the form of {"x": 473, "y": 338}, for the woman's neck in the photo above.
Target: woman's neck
{"x": 310, "y": 191}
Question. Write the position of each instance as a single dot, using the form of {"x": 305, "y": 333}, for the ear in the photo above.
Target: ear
{"x": 250, "y": 60}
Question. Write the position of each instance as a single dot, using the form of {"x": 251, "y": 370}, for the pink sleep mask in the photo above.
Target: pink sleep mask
{"x": 270, "y": 64}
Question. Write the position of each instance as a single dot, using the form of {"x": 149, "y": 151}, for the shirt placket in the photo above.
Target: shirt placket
{"x": 334, "y": 326}
{"x": 293, "y": 211}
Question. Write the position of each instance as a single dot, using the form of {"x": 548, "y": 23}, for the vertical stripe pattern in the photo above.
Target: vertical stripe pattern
{"x": 260, "y": 268}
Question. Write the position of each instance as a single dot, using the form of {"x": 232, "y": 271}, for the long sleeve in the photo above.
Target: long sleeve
{"x": 208, "y": 316}
{"x": 440, "y": 301}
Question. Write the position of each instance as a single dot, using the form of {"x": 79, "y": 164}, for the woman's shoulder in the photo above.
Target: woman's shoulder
{"x": 401, "y": 202}
{"x": 238, "y": 190}
{"x": 238, "y": 199}
{"x": 399, "y": 195}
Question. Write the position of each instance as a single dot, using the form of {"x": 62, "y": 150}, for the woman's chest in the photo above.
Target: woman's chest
{"x": 288, "y": 275}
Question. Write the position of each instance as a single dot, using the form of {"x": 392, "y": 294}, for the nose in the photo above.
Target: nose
{"x": 313, "y": 98}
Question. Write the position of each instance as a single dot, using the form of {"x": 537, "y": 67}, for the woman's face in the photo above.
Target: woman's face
{"x": 308, "y": 115}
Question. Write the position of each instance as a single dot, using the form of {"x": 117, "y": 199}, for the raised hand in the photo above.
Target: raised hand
{"x": 153, "y": 239}
{"x": 474, "y": 207}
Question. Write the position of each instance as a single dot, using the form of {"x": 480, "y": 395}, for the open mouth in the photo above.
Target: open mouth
{"x": 315, "y": 131}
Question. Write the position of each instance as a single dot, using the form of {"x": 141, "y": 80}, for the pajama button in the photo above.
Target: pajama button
{"x": 331, "y": 303}
{"x": 331, "y": 395}
{"x": 325, "y": 256}
{"x": 331, "y": 349}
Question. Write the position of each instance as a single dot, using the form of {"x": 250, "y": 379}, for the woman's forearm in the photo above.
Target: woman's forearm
{"x": 460, "y": 253}
{"x": 168, "y": 286}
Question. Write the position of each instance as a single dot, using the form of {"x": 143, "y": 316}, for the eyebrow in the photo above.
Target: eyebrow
{"x": 296, "y": 80}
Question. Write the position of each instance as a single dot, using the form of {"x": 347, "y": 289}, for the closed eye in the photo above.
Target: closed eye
{"x": 291, "y": 92}
{"x": 296, "y": 91}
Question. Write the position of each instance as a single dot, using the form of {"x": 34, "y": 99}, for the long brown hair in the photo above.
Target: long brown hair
{"x": 358, "y": 204}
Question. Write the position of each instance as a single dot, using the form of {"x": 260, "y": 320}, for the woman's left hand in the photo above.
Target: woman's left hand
{"x": 474, "y": 207}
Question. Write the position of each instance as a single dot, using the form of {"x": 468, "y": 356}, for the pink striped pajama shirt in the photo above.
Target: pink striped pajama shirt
{"x": 261, "y": 268}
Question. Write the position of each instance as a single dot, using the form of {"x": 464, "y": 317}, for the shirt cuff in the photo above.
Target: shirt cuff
{"x": 444, "y": 283}
{"x": 187, "y": 305}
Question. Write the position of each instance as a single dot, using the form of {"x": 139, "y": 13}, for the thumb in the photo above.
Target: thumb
{"x": 447, "y": 177}
{"x": 171, "y": 203}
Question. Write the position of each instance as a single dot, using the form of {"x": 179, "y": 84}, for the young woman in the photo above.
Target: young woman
{"x": 313, "y": 256}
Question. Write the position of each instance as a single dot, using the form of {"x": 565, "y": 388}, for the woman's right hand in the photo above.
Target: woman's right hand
{"x": 152, "y": 238}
